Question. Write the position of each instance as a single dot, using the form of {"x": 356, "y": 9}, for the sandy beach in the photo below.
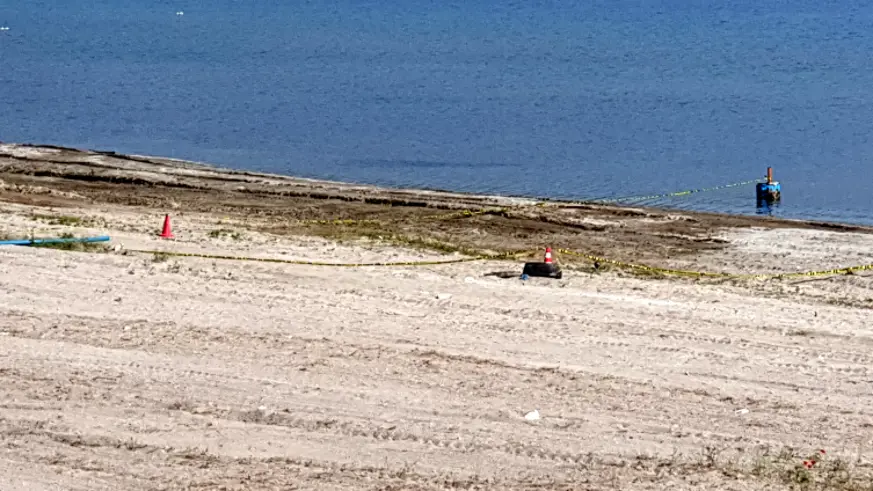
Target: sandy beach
{"x": 149, "y": 371}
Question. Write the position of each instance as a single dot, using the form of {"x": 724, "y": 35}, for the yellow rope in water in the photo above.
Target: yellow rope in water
{"x": 679, "y": 193}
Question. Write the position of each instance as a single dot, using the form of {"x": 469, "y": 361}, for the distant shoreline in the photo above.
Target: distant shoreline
{"x": 439, "y": 198}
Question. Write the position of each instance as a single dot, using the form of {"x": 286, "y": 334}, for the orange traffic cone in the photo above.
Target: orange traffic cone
{"x": 166, "y": 233}
{"x": 546, "y": 269}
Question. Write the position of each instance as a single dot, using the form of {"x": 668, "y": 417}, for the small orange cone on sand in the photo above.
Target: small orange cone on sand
{"x": 548, "y": 255}
{"x": 166, "y": 233}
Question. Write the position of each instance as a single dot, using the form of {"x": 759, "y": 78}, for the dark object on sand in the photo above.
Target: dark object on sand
{"x": 543, "y": 270}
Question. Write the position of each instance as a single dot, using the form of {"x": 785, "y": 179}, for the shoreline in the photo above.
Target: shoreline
{"x": 427, "y": 193}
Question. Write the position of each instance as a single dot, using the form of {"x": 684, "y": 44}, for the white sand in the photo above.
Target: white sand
{"x": 120, "y": 372}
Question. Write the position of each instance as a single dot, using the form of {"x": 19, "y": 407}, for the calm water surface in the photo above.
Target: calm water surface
{"x": 544, "y": 98}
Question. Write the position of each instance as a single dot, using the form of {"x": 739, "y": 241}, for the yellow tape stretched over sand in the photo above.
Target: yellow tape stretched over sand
{"x": 444, "y": 216}
{"x": 515, "y": 255}
{"x": 470, "y": 258}
{"x": 309, "y": 263}
{"x": 706, "y": 274}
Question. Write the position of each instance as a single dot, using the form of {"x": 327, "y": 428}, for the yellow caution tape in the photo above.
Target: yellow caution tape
{"x": 309, "y": 263}
{"x": 641, "y": 267}
{"x": 340, "y": 222}
{"x": 467, "y": 213}
{"x": 675, "y": 194}
{"x": 394, "y": 239}
{"x": 678, "y": 193}
{"x": 850, "y": 269}
{"x": 680, "y": 272}
{"x": 558, "y": 204}
{"x": 516, "y": 255}
{"x": 445, "y": 216}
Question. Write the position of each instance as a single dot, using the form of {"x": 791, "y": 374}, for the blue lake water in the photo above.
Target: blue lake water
{"x": 546, "y": 98}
